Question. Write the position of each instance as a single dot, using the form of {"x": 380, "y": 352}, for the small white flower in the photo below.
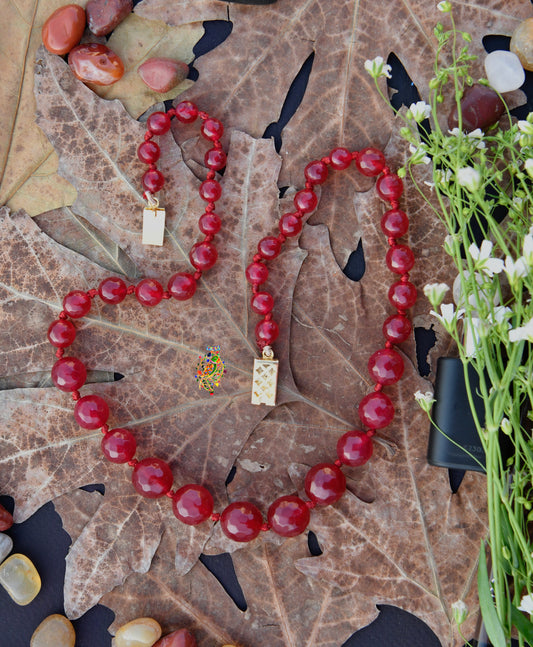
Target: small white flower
{"x": 425, "y": 400}
{"x": 442, "y": 177}
{"x": 500, "y": 314}
{"x": 377, "y": 68}
{"x": 515, "y": 270}
{"x": 448, "y": 244}
{"x": 418, "y": 155}
{"x": 523, "y": 333}
{"x": 460, "y": 612}
{"x": 477, "y": 134}
{"x": 419, "y": 111}
{"x": 525, "y": 127}
{"x": 526, "y": 604}
{"x": 435, "y": 293}
{"x": 454, "y": 132}
{"x": 469, "y": 178}
{"x": 444, "y": 6}
{"x": 528, "y": 165}
{"x": 484, "y": 262}
{"x": 448, "y": 316}
{"x": 527, "y": 250}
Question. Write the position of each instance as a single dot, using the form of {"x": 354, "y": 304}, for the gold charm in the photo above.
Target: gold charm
{"x": 265, "y": 378}
{"x": 153, "y": 222}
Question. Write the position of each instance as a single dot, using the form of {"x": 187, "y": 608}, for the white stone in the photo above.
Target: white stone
{"x": 6, "y": 546}
{"x": 504, "y": 71}
{"x": 54, "y": 631}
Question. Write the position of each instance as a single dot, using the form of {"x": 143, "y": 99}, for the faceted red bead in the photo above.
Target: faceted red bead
{"x": 215, "y": 159}
{"x": 158, "y": 123}
{"x": 376, "y": 410}
{"x": 112, "y": 290}
{"x": 61, "y": 333}
{"x": 149, "y": 292}
{"x": 119, "y": 445}
{"x": 153, "y": 180}
{"x": 354, "y": 448}
{"x": 269, "y": 247}
{"x": 91, "y": 412}
{"x": 400, "y": 259}
{"x": 149, "y": 152}
{"x": 288, "y": 516}
{"x": 397, "y": 328}
{"x": 370, "y": 161}
{"x": 241, "y": 521}
{"x": 186, "y": 112}
{"x": 182, "y": 286}
{"x": 266, "y": 333}
{"x": 290, "y": 225}
{"x": 341, "y": 158}
{"x": 210, "y": 190}
{"x": 77, "y": 304}
{"x": 69, "y": 374}
{"x": 209, "y": 223}
{"x": 256, "y": 273}
{"x": 152, "y": 478}
{"x": 389, "y": 187}
{"x": 212, "y": 129}
{"x": 192, "y": 504}
{"x": 262, "y": 303}
{"x": 325, "y": 483}
{"x": 394, "y": 223}
{"x": 402, "y": 295}
{"x": 385, "y": 366}
{"x": 6, "y": 519}
{"x": 305, "y": 200}
{"x": 203, "y": 256}
{"x": 316, "y": 172}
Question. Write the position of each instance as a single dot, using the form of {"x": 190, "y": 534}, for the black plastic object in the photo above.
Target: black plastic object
{"x": 453, "y": 439}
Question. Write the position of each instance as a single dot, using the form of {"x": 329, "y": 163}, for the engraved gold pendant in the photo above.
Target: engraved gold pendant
{"x": 153, "y": 222}
{"x": 265, "y": 378}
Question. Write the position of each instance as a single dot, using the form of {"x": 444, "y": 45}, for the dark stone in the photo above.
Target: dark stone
{"x": 480, "y": 107}
{"x": 104, "y": 15}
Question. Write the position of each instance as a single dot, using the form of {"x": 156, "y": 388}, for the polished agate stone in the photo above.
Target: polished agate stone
{"x": 54, "y": 631}
{"x": 178, "y": 638}
{"x": 95, "y": 63}
{"x": 6, "y": 546}
{"x": 522, "y": 43}
{"x": 480, "y": 108}
{"x": 20, "y": 578}
{"x": 64, "y": 29}
{"x": 104, "y": 15}
{"x": 6, "y": 519}
{"x": 162, "y": 74}
{"x": 504, "y": 70}
{"x": 141, "y": 632}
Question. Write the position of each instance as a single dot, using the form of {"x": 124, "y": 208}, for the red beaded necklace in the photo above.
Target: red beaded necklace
{"x": 325, "y": 483}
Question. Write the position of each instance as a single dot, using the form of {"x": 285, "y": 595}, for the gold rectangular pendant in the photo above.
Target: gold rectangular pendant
{"x": 153, "y": 226}
{"x": 265, "y": 379}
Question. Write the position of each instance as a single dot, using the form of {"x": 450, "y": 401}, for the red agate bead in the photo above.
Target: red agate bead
{"x": 112, "y": 290}
{"x": 354, "y": 448}
{"x": 6, "y": 519}
{"x": 370, "y": 161}
{"x": 394, "y": 223}
{"x": 269, "y": 247}
{"x": 400, "y": 259}
{"x": 325, "y": 483}
{"x": 192, "y": 504}
{"x": 389, "y": 187}
{"x": 91, "y": 412}
{"x": 61, "y": 333}
{"x": 149, "y": 292}
{"x": 158, "y": 123}
{"x": 241, "y": 521}
{"x": 215, "y": 159}
{"x": 212, "y": 129}
{"x": 186, "y": 112}
{"x": 316, "y": 172}
{"x": 153, "y": 180}
{"x": 385, "y": 366}
{"x": 397, "y": 328}
{"x": 262, "y": 303}
{"x": 152, "y": 477}
{"x": 209, "y": 223}
{"x": 305, "y": 200}
{"x": 288, "y": 516}
{"x": 182, "y": 286}
{"x": 290, "y": 225}
{"x": 77, "y": 304}
{"x": 376, "y": 410}
{"x": 341, "y": 158}
{"x": 149, "y": 152}
{"x": 210, "y": 190}
{"x": 119, "y": 445}
{"x": 69, "y": 374}
{"x": 402, "y": 295}
{"x": 203, "y": 256}
{"x": 256, "y": 273}
{"x": 266, "y": 332}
